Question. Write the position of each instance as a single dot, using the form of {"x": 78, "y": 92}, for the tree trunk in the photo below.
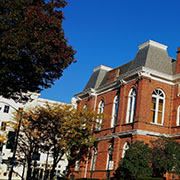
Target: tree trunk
{"x": 29, "y": 170}
{"x": 52, "y": 173}
{"x": 28, "y": 177}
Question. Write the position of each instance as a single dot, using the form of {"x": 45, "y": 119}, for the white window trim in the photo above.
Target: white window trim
{"x": 157, "y": 107}
{"x": 178, "y": 114}
{"x": 125, "y": 148}
{"x": 108, "y": 158}
{"x": 132, "y": 106}
{"x": 115, "y": 102}
{"x": 100, "y": 110}
{"x": 107, "y": 161}
{"x": 94, "y": 159}
{"x": 77, "y": 165}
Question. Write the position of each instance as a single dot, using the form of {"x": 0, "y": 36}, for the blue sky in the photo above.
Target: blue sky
{"x": 108, "y": 32}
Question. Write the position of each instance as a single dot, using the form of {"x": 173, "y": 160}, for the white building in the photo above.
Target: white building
{"x": 7, "y": 107}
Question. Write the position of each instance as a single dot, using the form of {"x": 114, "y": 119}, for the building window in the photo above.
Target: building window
{"x": 77, "y": 162}
{"x": 109, "y": 156}
{"x": 6, "y": 109}
{"x": 178, "y": 116}
{"x": 125, "y": 148}
{"x": 3, "y": 126}
{"x": 94, "y": 158}
{"x": 85, "y": 107}
{"x": 115, "y": 111}
{"x": 77, "y": 165}
{"x": 157, "y": 106}
{"x": 131, "y": 106}
{"x": 100, "y": 111}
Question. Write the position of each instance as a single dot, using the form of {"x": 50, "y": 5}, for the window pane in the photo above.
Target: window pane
{"x": 6, "y": 109}
{"x": 160, "y": 105}
{"x": 153, "y": 106}
{"x": 152, "y": 118}
{"x": 159, "y": 121}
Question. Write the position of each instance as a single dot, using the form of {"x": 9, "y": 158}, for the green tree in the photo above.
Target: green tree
{"x": 165, "y": 156}
{"x": 56, "y": 129}
{"x": 33, "y": 48}
{"x": 136, "y": 162}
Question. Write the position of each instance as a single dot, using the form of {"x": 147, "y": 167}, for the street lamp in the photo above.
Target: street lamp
{"x": 16, "y": 143}
{"x": 13, "y": 159}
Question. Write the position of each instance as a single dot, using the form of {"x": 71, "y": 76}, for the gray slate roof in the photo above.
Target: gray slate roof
{"x": 154, "y": 58}
{"x": 151, "y": 54}
{"x": 97, "y": 79}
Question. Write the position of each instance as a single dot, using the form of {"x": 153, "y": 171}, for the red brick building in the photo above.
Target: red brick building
{"x": 141, "y": 100}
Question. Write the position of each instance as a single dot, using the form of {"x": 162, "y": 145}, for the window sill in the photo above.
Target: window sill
{"x": 126, "y": 124}
{"x": 156, "y": 124}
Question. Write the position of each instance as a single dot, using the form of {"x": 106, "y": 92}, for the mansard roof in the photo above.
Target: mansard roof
{"x": 98, "y": 77}
{"x": 151, "y": 55}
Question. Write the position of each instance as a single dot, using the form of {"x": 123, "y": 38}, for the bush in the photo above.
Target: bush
{"x": 86, "y": 179}
{"x": 149, "y": 178}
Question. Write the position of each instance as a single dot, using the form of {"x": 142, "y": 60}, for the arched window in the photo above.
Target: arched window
{"x": 115, "y": 111}
{"x": 125, "y": 148}
{"x": 85, "y": 107}
{"x": 100, "y": 111}
{"x": 131, "y": 105}
{"x": 94, "y": 158}
{"x": 109, "y": 156}
{"x": 157, "y": 107}
{"x": 178, "y": 116}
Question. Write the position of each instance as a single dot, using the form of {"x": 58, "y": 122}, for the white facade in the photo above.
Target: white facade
{"x": 7, "y": 107}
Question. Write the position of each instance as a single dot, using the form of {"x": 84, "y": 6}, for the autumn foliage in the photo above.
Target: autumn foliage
{"x": 56, "y": 129}
{"x": 33, "y": 48}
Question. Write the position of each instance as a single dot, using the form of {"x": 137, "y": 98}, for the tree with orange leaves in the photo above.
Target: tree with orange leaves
{"x": 57, "y": 129}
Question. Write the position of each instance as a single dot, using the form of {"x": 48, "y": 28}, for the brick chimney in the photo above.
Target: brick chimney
{"x": 178, "y": 61}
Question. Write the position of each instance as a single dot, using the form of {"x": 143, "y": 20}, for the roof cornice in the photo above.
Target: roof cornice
{"x": 153, "y": 43}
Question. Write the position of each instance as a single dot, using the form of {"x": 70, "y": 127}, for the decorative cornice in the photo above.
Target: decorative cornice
{"x": 153, "y": 43}
{"x": 122, "y": 82}
{"x": 139, "y": 72}
{"x": 106, "y": 68}
{"x": 132, "y": 133}
{"x": 137, "y": 132}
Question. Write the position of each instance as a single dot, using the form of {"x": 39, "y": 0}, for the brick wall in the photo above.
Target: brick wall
{"x": 144, "y": 87}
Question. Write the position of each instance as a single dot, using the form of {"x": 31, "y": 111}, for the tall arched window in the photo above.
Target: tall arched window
{"x": 178, "y": 116}
{"x": 157, "y": 107}
{"x": 109, "y": 157}
{"x": 85, "y": 108}
{"x": 94, "y": 158}
{"x": 115, "y": 111}
{"x": 100, "y": 111}
{"x": 125, "y": 148}
{"x": 131, "y": 105}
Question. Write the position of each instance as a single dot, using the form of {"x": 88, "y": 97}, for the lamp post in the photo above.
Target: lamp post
{"x": 13, "y": 160}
